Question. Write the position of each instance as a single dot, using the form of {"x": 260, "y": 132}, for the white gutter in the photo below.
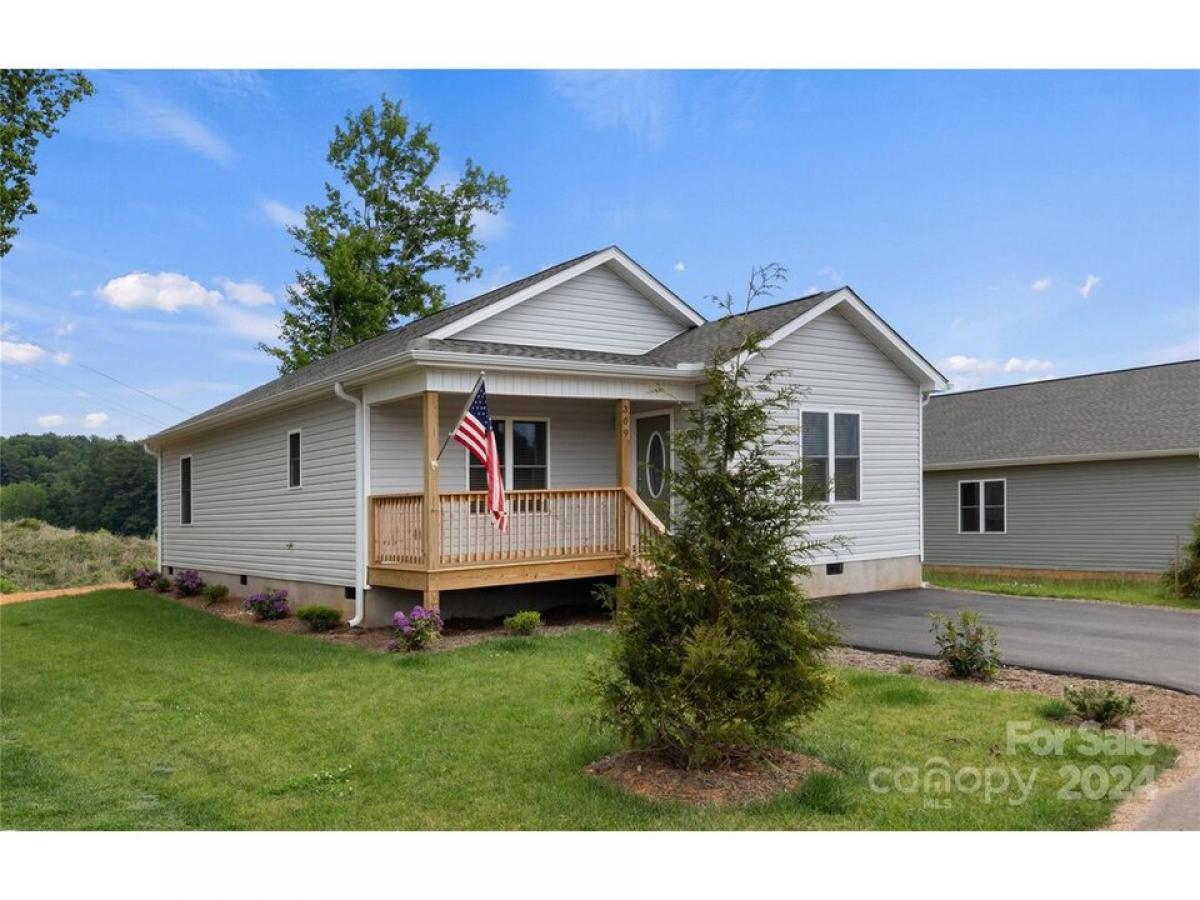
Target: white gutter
{"x": 1053, "y": 460}
{"x": 359, "y": 508}
{"x": 158, "y": 535}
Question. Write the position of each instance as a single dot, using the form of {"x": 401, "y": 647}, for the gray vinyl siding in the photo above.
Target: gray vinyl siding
{"x": 581, "y": 438}
{"x": 244, "y": 515}
{"x": 842, "y": 371}
{"x": 597, "y": 310}
{"x": 1120, "y": 515}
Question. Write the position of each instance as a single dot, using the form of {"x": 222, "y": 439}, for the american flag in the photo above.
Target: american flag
{"x": 474, "y": 431}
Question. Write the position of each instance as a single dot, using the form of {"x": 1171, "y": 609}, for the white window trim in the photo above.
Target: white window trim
{"x": 958, "y": 504}
{"x": 287, "y": 475}
{"x": 830, "y": 412}
{"x": 508, "y": 451}
{"x": 191, "y": 491}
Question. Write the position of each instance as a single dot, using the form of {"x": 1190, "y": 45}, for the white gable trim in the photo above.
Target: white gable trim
{"x": 865, "y": 320}
{"x": 648, "y": 285}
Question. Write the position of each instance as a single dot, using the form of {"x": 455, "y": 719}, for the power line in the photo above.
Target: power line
{"x": 132, "y": 388}
{"x": 41, "y": 376}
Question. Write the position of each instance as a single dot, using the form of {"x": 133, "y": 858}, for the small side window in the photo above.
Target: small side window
{"x": 185, "y": 491}
{"x": 293, "y": 459}
{"x": 968, "y": 506}
{"x": 993, "y": 506}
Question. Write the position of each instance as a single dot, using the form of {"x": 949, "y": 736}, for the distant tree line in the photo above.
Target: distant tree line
{"x": 79, "y": 482}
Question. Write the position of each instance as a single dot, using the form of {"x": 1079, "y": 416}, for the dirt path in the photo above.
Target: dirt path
{"x": 23, "y": 596}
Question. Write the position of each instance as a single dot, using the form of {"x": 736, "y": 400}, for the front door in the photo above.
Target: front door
{"x": 653, "y": 463}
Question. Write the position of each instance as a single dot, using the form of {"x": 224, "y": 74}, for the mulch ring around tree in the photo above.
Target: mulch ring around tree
{"x": 747, "y": 779}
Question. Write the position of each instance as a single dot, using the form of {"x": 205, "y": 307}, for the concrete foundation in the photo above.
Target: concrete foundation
{"x": 300, "y": 593}
{"x": 865, "y": 575}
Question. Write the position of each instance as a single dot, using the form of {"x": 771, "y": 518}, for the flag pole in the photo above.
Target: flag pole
{"x": 470, "y": 397}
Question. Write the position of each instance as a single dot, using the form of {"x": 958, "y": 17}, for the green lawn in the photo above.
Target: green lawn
{"x": 121, "y": 710}
{"x": 1113, "y": 589}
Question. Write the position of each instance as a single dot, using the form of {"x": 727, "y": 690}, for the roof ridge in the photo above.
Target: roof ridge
{"x": 1045, "y": 381}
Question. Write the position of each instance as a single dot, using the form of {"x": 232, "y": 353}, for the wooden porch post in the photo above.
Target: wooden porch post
{"x": 624, "y": 480}
{"x": 431, "y": 525}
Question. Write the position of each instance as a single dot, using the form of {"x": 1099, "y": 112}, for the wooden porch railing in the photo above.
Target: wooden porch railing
{"x": 542, "y": 525}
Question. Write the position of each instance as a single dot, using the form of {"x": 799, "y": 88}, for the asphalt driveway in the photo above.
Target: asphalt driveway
{"x": 1105, "y": 640}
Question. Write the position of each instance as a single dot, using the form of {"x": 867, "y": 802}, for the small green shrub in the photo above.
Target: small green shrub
{"x": 907, "y": 669}
{"x": 1101, "y": 705}
{"x": 214, "y": 593}
{"x": 526, "y": 622}
{"x": 1189, "y": 567}
{"x": 966, "y": 646}
{"x": 319, "y": 618}
{"x": 162, "y": 584}
{"x": 8, "y": 586}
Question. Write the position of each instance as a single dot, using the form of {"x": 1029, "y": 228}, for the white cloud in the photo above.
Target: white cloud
{"x": 834, "y": 276}
{"x": 247, "y": 324}
{"x": 490, "y": 226}
{"x": 971, "y": 371}
{"x": 248, "y": 293}
{"x": 239, "y": 84}
{"x": 62, "y": 357}
{"x": 1040, "y": 285}
{"x": 63, "y": 328}
{"x": 639, "y": 101}
{"x": 168, "y": 291}
{"x": 1186, "y": 349}
{"x": 94, "y": 420}
{"x": 147, "y": 117}
{"x": 1089, "y": 284}
{"x": 21, "y": 352}
{"x": 680, "y": 267}
{"x": 6, "y": 327}
{"x": 281, "y": 214}
{"x": 50, "y": 421}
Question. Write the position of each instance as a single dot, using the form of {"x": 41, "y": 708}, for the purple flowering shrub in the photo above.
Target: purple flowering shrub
{"x": 188, "y": 583}
{"x": 145, "y": 578}
{"x": 416, "y": 631}
{"x": 268, "y": 604}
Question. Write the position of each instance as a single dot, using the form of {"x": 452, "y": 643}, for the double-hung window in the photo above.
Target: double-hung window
{"x": 185, "y": 491}
{"x": 524, "y": 446}
{"x": 831, "y": 445}
{"x": 982, "y": 507}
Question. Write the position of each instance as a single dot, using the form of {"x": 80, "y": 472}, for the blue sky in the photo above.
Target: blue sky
{"x": 1010, "y": 225}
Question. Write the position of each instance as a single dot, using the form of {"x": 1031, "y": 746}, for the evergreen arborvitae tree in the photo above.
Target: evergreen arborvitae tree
{"x": 717, "y": 651}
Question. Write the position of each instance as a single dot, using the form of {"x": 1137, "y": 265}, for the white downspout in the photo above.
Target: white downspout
{"x": 925, "y": 397}
{"x": 359, "y": 507}
{"x": 158, "y": 535}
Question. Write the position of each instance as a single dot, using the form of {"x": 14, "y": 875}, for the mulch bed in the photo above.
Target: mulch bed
{"x": 750, "y": 779}
{"x": 455, "y": 635}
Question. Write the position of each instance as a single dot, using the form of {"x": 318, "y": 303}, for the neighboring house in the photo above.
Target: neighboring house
{"x": 1094, "y": 473}
{"x": 326, "y": 481}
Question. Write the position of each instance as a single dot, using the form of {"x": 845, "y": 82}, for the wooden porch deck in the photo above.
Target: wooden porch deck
{"x": 552, "y": 535}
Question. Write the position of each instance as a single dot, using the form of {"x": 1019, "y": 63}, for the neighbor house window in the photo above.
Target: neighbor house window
{"x": 185, "y": 491}
{"x": 981, "y": 507}
{"x": 293, "y": 459}
{"x": 524, "y": 456}
{"x": 831, "y": 443}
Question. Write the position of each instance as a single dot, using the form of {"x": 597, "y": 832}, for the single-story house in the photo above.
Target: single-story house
{"x": 327, "y": 481}
{"x": 1093, "y": 473}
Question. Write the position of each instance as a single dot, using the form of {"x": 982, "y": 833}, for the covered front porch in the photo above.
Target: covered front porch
{"x": 440, "y": 537}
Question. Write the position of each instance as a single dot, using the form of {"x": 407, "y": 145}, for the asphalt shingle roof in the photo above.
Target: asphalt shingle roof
{"x": 1135, "y": 410}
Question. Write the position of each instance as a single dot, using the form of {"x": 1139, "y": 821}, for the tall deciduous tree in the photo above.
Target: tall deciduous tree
{"x": 31, "y": 103}
{"x": 716, "y": 650}
{"x": 377, "y": 240}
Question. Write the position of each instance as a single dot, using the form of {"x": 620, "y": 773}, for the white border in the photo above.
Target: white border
{"x": 288, "y": 456}
{"x": 982, "y": 505}
{"x": 191, "y": 491}
{"x": 508, "y": 454}
{"x": 831, "y": 495}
